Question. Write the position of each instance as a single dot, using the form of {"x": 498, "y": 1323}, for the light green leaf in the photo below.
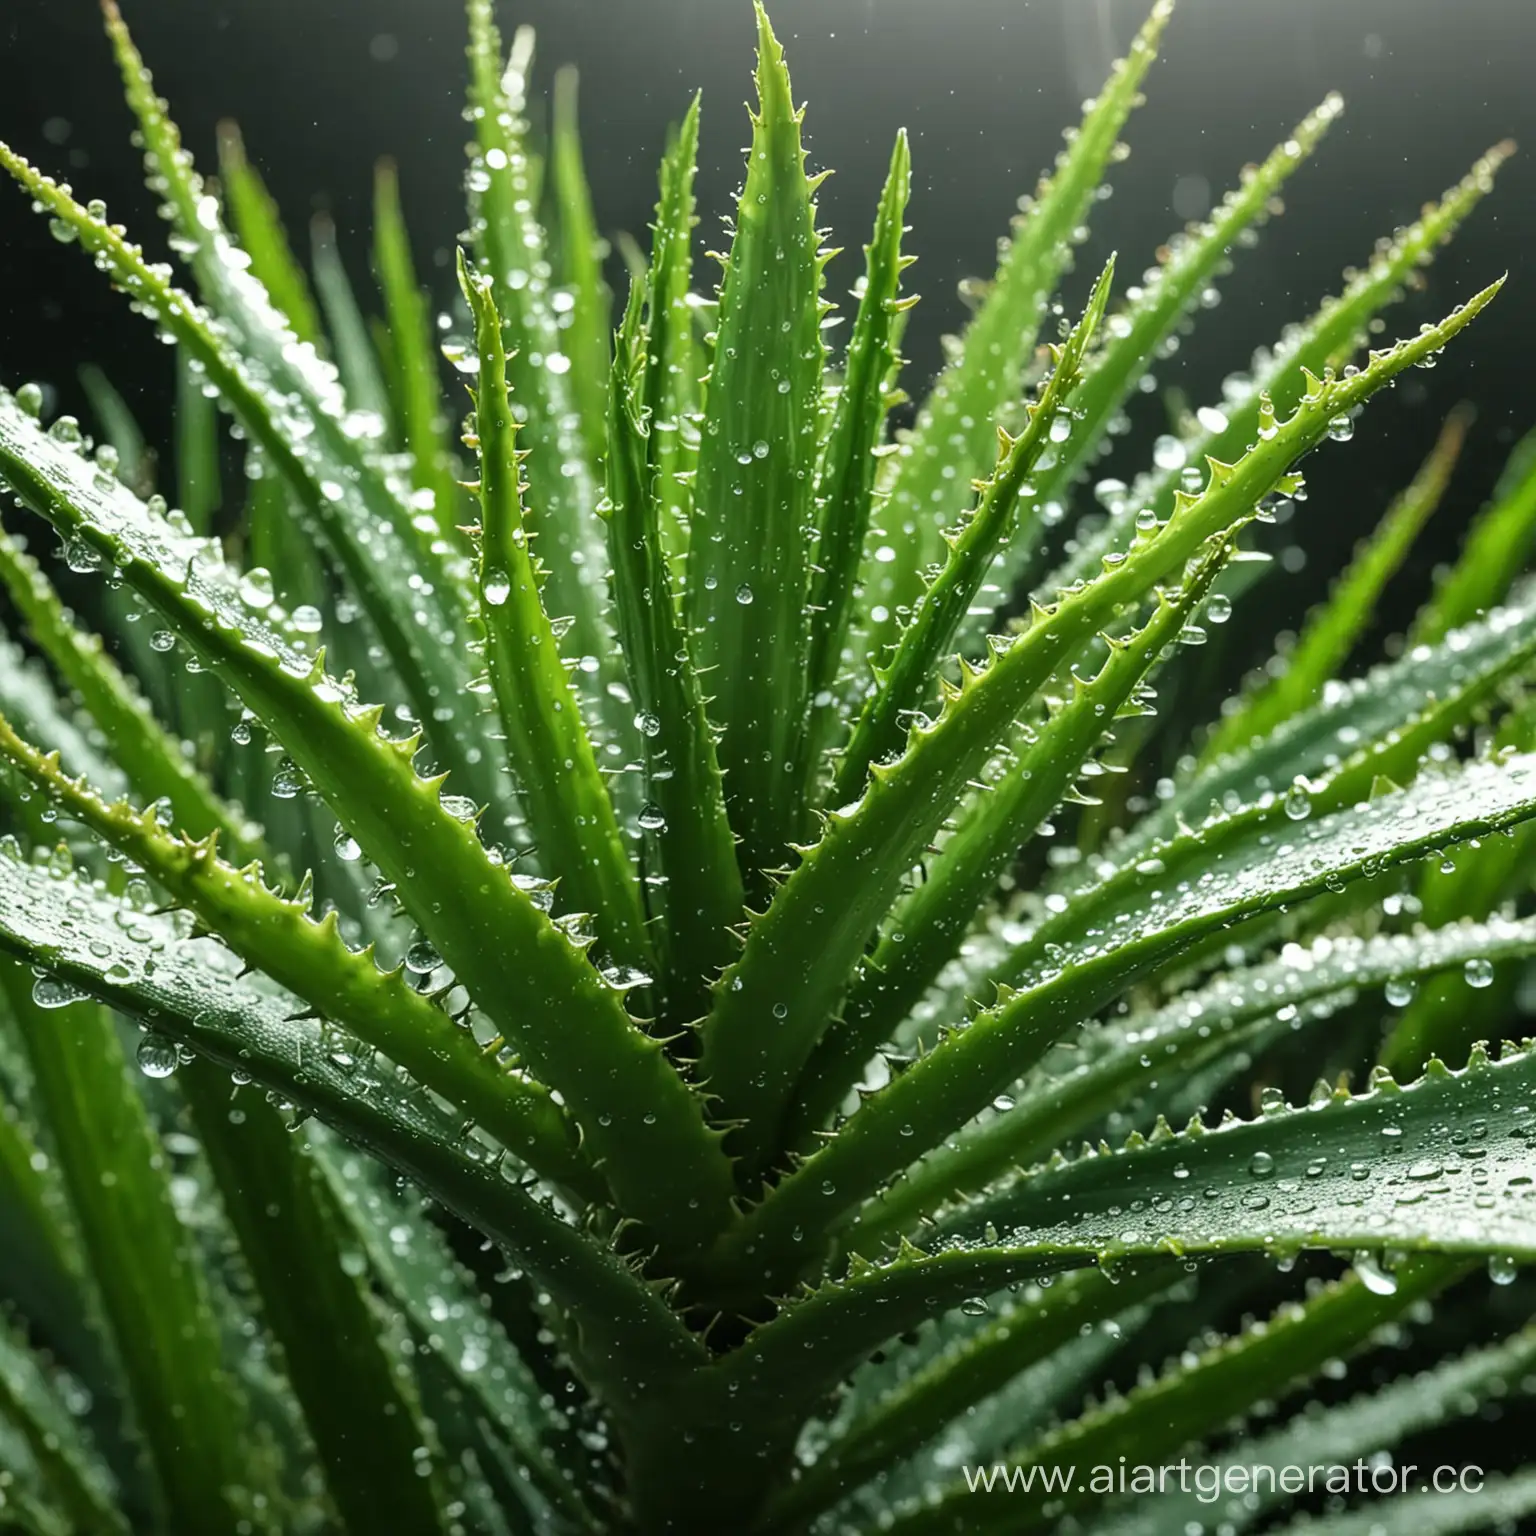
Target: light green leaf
{"x": 532, "y": 978}
{"x": 696, "y": 891}
{"x": 845, "y": 485}
{"x": 418, "y": 389}
{"x": 1168, "y": 292}
{"x": 774, "y": 1004}
{"x": 952, "y": 442}
{"x": 512, "y": 250}
{"x": 903, "y": 686}
{"x": 188, "y": 1410}
{"x": 748, "y": 556}
{"x": 582, "y": 252}
{"x": 1333, "y": 629}
{"x": 985, "y": 1055}
{"x": 548, "y": 746}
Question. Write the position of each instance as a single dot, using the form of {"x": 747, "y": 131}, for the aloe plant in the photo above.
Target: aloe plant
{"x": 638, "y": 974}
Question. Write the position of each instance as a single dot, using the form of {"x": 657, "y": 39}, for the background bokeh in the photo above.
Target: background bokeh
{"x": 322, "y": 87}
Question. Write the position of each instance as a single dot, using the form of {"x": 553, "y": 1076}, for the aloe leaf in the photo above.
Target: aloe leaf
{"x": 1118, "y": 1060}
{"x": 748, "y": 557}
{"x": 1166, "y": 295}
{"x": 1499, "y": 1503}
{"x": 418, "y": 387}
{"x": 435, "y": 675}
{"x": 636, "y": 1113}
{"x": 902, "y": 686}
{"x": 772, "y": 1007}
{"x": 547, "y": 742}
{"x": 581, "y": 267}
{"x": 512, "y": 250}
{"x": 956, "y": 1380}
{"x": 119, "y": 427}
{"x": 1376, "y": 724}
{"x": 1328, "y": 336}
{"x": 1327, "y": 1437}
{"x": 199, "y": 999}
{"x": 1332, "y": 630}
{"x": 1498, "y": 547}
{"x": 944, "y": 1089}
{"x": 1193, "y": 1398}
{"x": 845, "y": 485}
{"x": 188, "y": 1412}
{"x": 929, "y": 923}
{"x": 359, "y": 1410}
{"x": 675, "y": 361}
{"x": 76, "y": 1482}
{"x": 447, "y": 1317}
{"x": 362, "y": 376}
{"x": 1291, "y": 1178}
{"x": 309, "y": 957}
{"x": 259, "y": 226}
{"x": 697, "y": 894}
{"x": 155, "y": 764}
{"x": 952, "y": 441}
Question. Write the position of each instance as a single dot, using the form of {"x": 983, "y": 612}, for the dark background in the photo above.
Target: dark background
{"x": 321, "y": 87}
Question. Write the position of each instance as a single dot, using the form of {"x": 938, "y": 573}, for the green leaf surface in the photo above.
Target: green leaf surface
{"x": 772, "y": 1007}
{"x": 355, "y": 1398}
{"x": 1498, "y": 1503}
{"x": 533, "y": 980}
{"x": 1326, "y": 337}
{"x": 152, "y": 966}
{"x": 77, "y": 1484}
{"x": 548, "y": 746}
{"x": 362, "y": 376}
{"x": 156, "y": 765}
{"x": 1168, "y": 292}
{"x": 951, "y": 443}
{"x": 155, "y": 1297}
{"x": 903, "y": 686}
{"x": 982, "y": 1363}
{"x": 418, "y": 388}
{"x": 1333, "y": 629}
{"x": 1193, "y": 1398}
{"x": 929, "y": 923}
{"x": 347, "y": 501}
{"x": 1110, "y": 1064}
{"x": 951, "y": 1084}
{"x": 1499, "y": 545}
{"x": 513, "y": 251}
{"x": 693, "y": 882}
{"x": 259, "y": 226}
{"x": 306, "y": 954}
{"x": 1333, "y": 1436}
{"x": 748, "y": 556}
{"x": 675, "y": 360}
{"x": 845, "y": 484}
{"x": 582, "y": 252}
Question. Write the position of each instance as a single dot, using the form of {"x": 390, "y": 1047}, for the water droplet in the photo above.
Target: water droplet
{"x": 760, "y": 450}
{"x": 1502, "y": 1269}
{"x": 50, "y": 992}
{"x": 347, "y": 847}
{"x": 162, "y": 640}
{"x": 496, "y": 587}
{"x": 1400, "y": 991}
{"x": 744, "y": 594}
{"x": 647, "y": 724}
{"x": 975, "y": 1306}
{"x": 1298, "y": 803}
{"x": 1219, "y": 608}
{"x": 651, "y": 819}
{"x": 1341, "y": 429}
{"x": 421, "y": 958}
{"x": 157, "y": 1056}
{"x": 1261, "y": 1165}
{"x": 1168, "y": 452}
{"x": 1373, "y": 1277}
{"x": 1478, "y": 972}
